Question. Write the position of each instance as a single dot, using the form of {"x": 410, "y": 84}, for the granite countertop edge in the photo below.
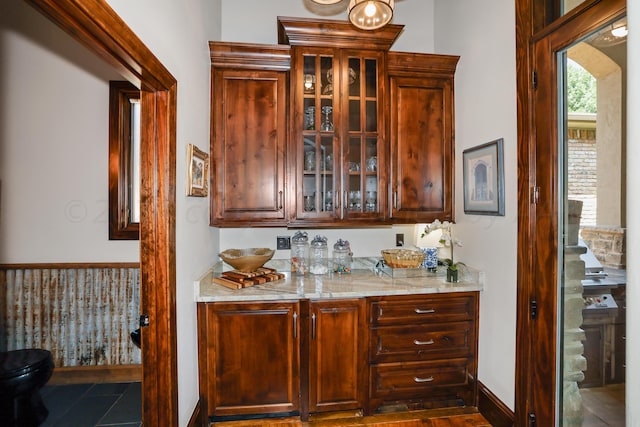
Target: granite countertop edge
{"x": 364, "y": 281}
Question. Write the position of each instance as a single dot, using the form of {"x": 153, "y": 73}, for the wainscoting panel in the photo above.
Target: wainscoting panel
{"x": 82, "y": 313}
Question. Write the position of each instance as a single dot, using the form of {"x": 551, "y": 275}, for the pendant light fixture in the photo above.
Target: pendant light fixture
{"x": 370, "y": 14}
{"x": 326, "y": 1}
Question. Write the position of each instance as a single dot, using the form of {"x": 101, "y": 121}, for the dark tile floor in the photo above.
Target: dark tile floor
{"x": 91, "y": 405}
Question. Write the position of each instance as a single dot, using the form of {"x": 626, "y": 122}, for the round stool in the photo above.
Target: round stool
{"x": 22, "y": 375}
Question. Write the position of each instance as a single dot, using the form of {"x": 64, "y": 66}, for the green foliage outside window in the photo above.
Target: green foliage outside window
{"x": 581, "y": 89}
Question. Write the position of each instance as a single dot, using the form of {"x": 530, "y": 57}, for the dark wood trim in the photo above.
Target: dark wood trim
{"x": 98, "y": 27}
{"x": 120, "y": 161}
{"x": 536, "y": 352}
{"x": 96, "y": 374}
{"x": 526, "y": 175}
{"x": 68, "y": 265}
{"x": 332, "y": 33}
{"x": 250, "y": 56}
{"x": 493, "y": 409}
{"x": 196, "y": 417}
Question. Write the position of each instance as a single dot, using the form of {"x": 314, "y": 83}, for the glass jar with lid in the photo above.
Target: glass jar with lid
{"x": 319, "y": 256}
{"x": 342, "y": 257}
{"x": 300, "y": 253}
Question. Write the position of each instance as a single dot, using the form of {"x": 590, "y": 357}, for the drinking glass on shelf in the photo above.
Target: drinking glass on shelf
{"x": 327, "y": 124}
{"x": 310, "y": 118}
{"x": 309, "y": 203}
{"x": 355, "y": 200}
{"x": 371, "y": 200}
{"x": 328, "y": 201}
{"x": 310, "y": 160}
{"x": 372, "y": 164}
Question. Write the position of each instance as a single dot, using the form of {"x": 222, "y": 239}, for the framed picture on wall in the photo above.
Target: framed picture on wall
{"x": 198, "y": 171}
{"x": 483, "y": 179}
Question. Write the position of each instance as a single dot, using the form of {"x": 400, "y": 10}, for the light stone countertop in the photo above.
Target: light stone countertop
{"x": 365, "y": 280}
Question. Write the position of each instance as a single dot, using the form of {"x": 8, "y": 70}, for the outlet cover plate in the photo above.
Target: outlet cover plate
{"x": 283, "y": 242}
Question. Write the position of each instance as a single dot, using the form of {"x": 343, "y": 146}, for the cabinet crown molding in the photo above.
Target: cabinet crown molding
{"x": 337, "y": 34}
{"x": 250, "y": 56}
{"x": 401, "y": 62}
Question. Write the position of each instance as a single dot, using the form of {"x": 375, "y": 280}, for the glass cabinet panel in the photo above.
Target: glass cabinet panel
{"x": 318, "y": 183}
{"x": 363, "y": 146}
{"x": 340, "y": 135}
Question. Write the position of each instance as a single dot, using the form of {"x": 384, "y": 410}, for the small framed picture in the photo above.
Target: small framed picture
{"x": 483, "y": 179}
{"x": 198, "y": 171}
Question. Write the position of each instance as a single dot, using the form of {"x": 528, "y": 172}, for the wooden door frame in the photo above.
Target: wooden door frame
{"x": 536, "y": 349}
{"x": 99, "y": 28}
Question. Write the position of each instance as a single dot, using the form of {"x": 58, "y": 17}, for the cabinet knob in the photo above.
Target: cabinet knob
{"x": 418, "y": 342}
{"x": 423, "y": 311}
{"x": 423, "y": 380}
{"x": 280, "y": 194}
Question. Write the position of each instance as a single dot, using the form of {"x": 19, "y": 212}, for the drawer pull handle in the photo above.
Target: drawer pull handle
{"x": 421, "y": 311}
{"x": 423, "y": 380}
{"x": 418, "y": 342}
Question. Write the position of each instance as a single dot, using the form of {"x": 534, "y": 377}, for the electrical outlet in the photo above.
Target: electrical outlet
{"x": 400, "y": 239}
{"x": 283, "y": 242}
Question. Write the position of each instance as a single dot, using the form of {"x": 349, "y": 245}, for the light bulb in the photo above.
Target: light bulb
{"x": 620, "y": 31}
{"x": 370, "y": 9}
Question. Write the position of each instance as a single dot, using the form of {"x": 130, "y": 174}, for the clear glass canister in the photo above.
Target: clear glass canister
{"x": 300, "y": 253}
{"x": 319, "y": 256}
{"x": 342, "y": 257}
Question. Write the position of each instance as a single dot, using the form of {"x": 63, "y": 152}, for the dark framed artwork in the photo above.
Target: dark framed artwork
{"x": 483, "y": 179}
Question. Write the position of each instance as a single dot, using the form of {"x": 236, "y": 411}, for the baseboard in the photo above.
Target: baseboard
{"x": 96, "y": 374}
{"x": 196, "y": 417}
{"x": 493, "y": 409}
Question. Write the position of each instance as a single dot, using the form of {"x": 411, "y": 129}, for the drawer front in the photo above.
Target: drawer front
{"x": 405, "y": 343}
{"x": 418, "y": 379}
{"x": 423, "y": 309}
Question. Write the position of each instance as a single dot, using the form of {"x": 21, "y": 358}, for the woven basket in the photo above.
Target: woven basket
{"x": 402, "y": 258}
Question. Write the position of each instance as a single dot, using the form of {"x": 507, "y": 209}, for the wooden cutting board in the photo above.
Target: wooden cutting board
{"x": 235, "y": 279}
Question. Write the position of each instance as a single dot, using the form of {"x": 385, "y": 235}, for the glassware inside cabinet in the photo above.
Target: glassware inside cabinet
{"x": 318, "y": 156}
{"x": 318, "y": 183}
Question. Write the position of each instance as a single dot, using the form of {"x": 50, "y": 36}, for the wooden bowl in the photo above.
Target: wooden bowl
{"x": 247, "y": 260}
{"x": 402, "y": 258}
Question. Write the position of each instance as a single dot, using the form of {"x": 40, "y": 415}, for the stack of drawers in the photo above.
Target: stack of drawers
{"x": 422, "y": 350}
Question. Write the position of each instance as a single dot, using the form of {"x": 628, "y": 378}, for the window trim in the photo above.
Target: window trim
{"x": 121, "y": 93}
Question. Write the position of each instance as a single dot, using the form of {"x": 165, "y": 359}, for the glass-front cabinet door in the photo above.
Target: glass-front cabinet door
{"x": 318, "y": 155}
{"x": 339, "y": 132}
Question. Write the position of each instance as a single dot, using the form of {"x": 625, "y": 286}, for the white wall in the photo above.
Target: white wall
{"x": 53, "y": 146}
{"x": 633, "y": 218}
{"x": 255, "y": 21}
{"x": 483, "y": 34}
{"x": 177, "y": 32}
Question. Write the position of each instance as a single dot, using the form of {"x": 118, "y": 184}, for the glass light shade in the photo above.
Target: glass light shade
{"x": 326, "y": 1}
{"x": 620, "y": 31}
{"x": 370, "y": 14}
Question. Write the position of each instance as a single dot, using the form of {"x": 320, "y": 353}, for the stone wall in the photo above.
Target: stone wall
{"x": 608, "y": 244}
{"x": 582, "y": 172}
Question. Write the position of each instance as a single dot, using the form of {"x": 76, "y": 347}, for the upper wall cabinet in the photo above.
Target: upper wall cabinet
{"x": 339, "y": 98}
{"x": 422, "y": 136}
{"x": 248, "y": 134}
{"x": 329, "y": 128}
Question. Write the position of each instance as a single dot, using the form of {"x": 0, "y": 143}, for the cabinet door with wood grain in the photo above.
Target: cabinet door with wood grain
{"x": 422, "y": 137}
{"x": 338, "y": 364}
{"x": 252, "y": 360}
{"x": 248, "y": 135}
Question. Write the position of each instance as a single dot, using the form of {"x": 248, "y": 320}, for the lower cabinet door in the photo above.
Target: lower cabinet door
{"x": 254, "y": 358}
{"x": 337, "y": 365}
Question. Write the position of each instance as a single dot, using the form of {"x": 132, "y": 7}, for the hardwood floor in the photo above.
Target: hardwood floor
{"x": 603, "y": 406}
{"x": 457, "y": 417}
